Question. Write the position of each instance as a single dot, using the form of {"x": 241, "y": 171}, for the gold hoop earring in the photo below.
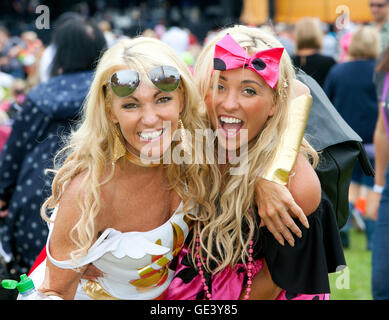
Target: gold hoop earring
{"x": 119, "y": 150}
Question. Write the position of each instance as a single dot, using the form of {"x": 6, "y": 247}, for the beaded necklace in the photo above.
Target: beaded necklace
{"x": 249, "y": 267}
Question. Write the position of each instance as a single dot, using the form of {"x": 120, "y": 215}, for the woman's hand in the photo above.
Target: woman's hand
{"x": 274, "y": 201}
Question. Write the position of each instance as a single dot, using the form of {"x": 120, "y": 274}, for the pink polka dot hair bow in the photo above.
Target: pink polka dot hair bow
{"x": 230, "y": 55}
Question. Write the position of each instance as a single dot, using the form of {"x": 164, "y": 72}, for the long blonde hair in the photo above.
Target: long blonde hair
{"x": 196, "y": 184}
{"x": 223, "y": 242}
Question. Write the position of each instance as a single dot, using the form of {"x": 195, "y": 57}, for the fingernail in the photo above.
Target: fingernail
{"x": 281, "y": 241}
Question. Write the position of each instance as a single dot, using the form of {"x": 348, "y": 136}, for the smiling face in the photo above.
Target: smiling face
{"x": 147, "y": 119}
{"x": 243, "y": 101}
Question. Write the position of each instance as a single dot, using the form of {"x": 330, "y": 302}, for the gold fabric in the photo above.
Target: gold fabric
{"x": 94, "y": 290}
{"x": 280, "y": 168}
{"x": 150, "y": 277}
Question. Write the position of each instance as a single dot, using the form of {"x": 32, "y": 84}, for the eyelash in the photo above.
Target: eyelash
{"x": 134, "y": 105}
{"x": 129, "y": 106}
{"x": 164, "y": 99}
{"x": 252, "y": 91}
{"x": 249, "y": 91}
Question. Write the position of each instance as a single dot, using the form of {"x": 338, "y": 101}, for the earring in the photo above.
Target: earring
{"x": 282, "y": 91}
{"x": 184, "y": 139}
{"x": 119, "y": 149}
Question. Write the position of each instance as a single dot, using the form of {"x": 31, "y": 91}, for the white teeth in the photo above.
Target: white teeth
{"x": 150, "y": 135}
{"x": 230, "y": 120}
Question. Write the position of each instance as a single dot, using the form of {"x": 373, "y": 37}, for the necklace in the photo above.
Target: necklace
{"x": 249, "y": 267}
{"x": 138, "y": 161}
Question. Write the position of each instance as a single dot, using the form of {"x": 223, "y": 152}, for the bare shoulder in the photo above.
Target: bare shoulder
{"x": 68, "y": 214}
{"x": 304, "y": 185}
{"x": 68, "y": 208}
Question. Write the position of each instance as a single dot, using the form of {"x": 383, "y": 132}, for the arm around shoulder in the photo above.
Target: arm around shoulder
{"x": 304, "y": 185}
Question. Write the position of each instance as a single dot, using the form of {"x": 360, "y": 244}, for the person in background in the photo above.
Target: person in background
{"x": 308, "y": 56}
{"x": 49, "y": 52}
{"x": 344, "y": 45}
{"x": 177, "y": 38}
{"x": 351, "y": 89}
{"x": 9, "y": 48}
{"x": 285, "y": 34}
{"x": 330, "y": 43}
{"x": 106, "y": 28}
{"x": 48, "y": 113}
{"x": 379, "y": 203}
{"x": 380, "y": 12}
{"x": 9, "y": 107}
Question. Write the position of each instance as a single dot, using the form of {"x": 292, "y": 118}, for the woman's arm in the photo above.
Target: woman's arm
{"x": 277, "y": 205}
{"x": 304, "y": 185}
{"x": 58, "y": 281}
{"x": 381, "y": 161}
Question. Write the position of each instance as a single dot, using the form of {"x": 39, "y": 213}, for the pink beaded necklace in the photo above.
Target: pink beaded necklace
{"x": 208, "y": 295}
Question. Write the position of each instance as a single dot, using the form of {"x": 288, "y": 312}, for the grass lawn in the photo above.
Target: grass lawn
{"x": 354, "y": 283}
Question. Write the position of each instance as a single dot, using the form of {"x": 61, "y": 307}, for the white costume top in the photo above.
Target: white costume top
{"x": 135, "y": 264}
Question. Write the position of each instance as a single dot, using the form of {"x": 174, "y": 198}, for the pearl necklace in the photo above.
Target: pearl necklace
{"x": 208, "y": 295}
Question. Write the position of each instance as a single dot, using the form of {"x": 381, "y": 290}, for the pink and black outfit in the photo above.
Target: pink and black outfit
{"x": 301, "y": 271}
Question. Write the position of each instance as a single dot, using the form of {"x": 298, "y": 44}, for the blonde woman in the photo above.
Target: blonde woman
{"x": 245, "y": 79}
{"x": 112, "y": 208}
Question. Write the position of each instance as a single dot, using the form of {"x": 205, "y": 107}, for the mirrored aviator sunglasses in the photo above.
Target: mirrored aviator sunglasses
{"x": 124, "y": 82}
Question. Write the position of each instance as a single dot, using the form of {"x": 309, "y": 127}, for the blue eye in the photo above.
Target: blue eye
{"x": 220, "y": 87}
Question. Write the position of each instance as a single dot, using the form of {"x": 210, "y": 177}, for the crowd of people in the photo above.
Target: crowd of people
{"x": 50, "y": 94}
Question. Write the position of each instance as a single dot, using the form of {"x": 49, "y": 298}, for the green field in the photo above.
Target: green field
{"x": 355, "y": 283}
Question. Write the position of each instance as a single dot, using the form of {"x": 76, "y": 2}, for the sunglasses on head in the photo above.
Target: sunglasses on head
{"x": 124, "y": 82}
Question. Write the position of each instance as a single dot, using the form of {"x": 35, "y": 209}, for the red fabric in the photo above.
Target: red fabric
{"x": 5, "y": 131}
{"x": 42, "y": 256}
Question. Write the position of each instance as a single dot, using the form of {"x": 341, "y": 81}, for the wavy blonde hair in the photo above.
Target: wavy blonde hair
{"x": 196, "y": 184}
{"x": 223, "y": 242}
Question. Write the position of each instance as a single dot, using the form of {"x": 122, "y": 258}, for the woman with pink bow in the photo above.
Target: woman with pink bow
{"x": 259, "y": 111}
